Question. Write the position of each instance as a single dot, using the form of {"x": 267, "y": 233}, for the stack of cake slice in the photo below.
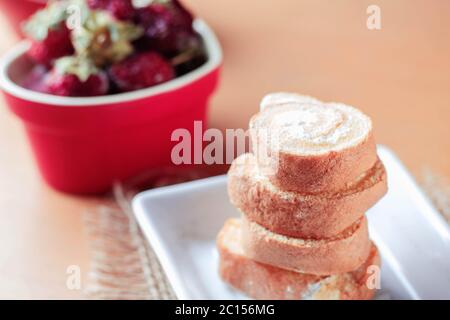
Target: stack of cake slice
{"x": 303, "y": 233}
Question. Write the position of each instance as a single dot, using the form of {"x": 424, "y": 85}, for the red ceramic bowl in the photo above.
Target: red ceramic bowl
{"x": 18, "y": 11}
{"x": 83, "y": 145}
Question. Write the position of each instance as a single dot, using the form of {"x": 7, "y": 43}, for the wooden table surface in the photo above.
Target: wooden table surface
{"x": 399, "y": 75}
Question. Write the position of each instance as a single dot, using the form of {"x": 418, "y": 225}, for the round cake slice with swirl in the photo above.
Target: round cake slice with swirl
{"x": 342, "y": 253}
{"x": 305, "y": 145}
{"x": 264, "y": 281}
{"x": 298, "y": 215}
{"x": 277, "y": 98}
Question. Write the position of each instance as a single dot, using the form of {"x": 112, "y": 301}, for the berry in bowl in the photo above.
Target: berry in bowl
{"x": 100, "y": 86}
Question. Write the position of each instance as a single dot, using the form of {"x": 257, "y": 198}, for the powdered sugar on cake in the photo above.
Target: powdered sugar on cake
{"x": 306, "y": 125}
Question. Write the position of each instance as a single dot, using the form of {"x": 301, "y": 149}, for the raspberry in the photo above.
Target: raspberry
{"x": 121, "y": 9}
{"x": 168, "y": 27}
{"x": 55, "y": 45}
{"x": 71, "y": 86}
{"x": 141, "y": 71}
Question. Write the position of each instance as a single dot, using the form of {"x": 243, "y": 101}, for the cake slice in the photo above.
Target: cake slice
{"x": 280, "y": 98}
{"x": 341, "y": 253}
{"x": 309, "y": 146}
{"x": 262, "y": 281}
{"x": 299, "y": 215}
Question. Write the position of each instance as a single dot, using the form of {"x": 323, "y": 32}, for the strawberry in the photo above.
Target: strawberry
{"x": 55, "y": 45}
{"x": 70, "y": 85}
{"x": 168, "y": 27}
{"x": 141, "y": 71}
{"x": 121, "y": 9}
{"x": 76, "y": 77}
{"x": 48, "y": 33}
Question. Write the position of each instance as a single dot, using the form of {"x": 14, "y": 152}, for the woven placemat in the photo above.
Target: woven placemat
{"x": 124, "y": 266}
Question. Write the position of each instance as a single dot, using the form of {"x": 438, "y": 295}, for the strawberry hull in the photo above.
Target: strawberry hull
{"x": 83, "y": 145}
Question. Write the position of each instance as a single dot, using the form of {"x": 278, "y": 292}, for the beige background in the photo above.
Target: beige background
{"x": 399, "y": 75}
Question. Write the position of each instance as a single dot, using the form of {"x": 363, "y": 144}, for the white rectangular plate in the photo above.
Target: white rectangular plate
{"x": 182, "y": 221}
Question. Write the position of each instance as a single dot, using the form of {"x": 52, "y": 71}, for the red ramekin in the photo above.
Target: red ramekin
{"x": 83, "y": 145}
